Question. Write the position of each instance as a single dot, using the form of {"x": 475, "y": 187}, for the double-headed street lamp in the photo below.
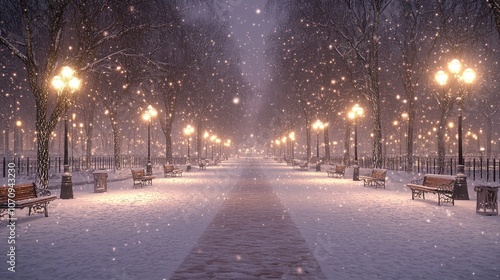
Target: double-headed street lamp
{"x": 147, "y": 116}
{"x": 66, "y": 84}
{"x": 188, "y": 130}
{"x": 354, "y": 114}
{"x": 466, "y": 77}
{"x": 318, "y": 125}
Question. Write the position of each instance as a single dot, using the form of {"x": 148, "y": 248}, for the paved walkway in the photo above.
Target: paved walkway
{"x": 251, "y": 237}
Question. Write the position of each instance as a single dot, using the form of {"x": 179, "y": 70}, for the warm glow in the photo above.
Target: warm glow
{"x": 469, "y": 75}
{"x": 292, "y": 136}
{"x": 19, "y": 123}
{"x": 188, "y": 130}
{"x": 318, "y": 125}
{"x": 66, "y": 80}
{"x": 58, "y": 83}
{"x": 67, "y": 72}
{"x": 356, "y": 111}
{"x": 454, "y": 66}
{"x": 149, "y": 113}
{"x": 404, "y": 116}
{"x": 206, "y": 134}
{"x": 441, "y": 77}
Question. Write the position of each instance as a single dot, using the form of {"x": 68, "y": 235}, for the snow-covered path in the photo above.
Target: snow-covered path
{"x": 251, "y": 237}
{"x": 351, "y": 231}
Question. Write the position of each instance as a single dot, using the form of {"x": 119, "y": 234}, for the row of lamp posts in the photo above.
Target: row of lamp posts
{"x": 66, "y": 84}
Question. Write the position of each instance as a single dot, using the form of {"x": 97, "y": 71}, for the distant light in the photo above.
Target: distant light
{"x": 257, "y": 11}
{"x": 236, "y": 100}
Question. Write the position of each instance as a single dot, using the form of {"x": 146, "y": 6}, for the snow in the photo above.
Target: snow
{"x": 353, "y": 232}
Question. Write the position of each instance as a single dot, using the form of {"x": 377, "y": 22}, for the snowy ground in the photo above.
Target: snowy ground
{"x": 354, "y": 232}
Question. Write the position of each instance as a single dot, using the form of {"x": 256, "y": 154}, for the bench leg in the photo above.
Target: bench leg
{"x": 46, "y": 209}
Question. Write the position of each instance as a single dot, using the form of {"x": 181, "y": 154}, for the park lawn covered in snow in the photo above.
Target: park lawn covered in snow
{"x": 354, "y": 232}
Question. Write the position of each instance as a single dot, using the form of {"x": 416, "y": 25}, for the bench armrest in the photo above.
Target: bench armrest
{"x": 42, "y": 192}
{"x": 418, "y": 182}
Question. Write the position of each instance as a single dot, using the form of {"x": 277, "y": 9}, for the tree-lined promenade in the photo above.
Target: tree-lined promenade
{"x": 182, "y": 58}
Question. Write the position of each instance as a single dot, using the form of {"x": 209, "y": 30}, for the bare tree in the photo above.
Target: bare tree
{"x": 40, "y": 42}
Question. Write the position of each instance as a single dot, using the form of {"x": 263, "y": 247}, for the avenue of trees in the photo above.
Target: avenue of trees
{"x": 329, "y": 55}
{"x": 128, "y": 54}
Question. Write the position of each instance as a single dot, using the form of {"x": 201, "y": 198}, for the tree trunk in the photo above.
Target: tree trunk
{"x": 489, "y": 127}
{"x": 168, "y": 143}
{"x": 347, "y": 137}
{"x": 199, "y": 137}
{"x": 308, "y": 139}
{"x": 116, "y": 141}
{"x": 88, "y": 152}
{"x": 409, "y": 136}
{"x": 327, "y": 145}
{"x": 42, "y": 172}
{"x": 441, "y": 144}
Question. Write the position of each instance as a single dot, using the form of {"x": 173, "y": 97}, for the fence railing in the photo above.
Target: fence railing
{"x": 484, "y": 169}
{"x": 26, "y": 166}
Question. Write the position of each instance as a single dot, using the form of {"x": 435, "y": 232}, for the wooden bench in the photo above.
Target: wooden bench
{"x": 442, "y": 185}
{"x": 202, "y": 165}
{"x": 170, "y": 170}
{"x": 139, "y": 178}
{"x": 338, "y": 171}
{"x": 376, "y": 178}
{"x": 26, "y": 195}
{"x": 304, "y": 166}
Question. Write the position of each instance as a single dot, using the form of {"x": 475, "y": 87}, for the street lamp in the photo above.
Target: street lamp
{"x": 279, "y": 148}
{"x": 466, "y": 77}
{"x": 17, "y": 138}
{"x": 147, "y": 116}
{"x": 212, "y": 139}
{"x": 318, "y": 125}
{"x": 218, "y": 141}
{"x": 205, "y": 136}
{"x": 292, "y": 138}
{"x": 188, "y": 130}
{"x": 227, "y": 144}
{"x": 355, "y": 113}
{"x": 283, "y": 140}
{"x": 66, "y": 84}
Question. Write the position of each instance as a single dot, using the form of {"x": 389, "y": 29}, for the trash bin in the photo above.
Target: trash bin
{"x": 100, "y": 181}
{"x": 487, "y": 200}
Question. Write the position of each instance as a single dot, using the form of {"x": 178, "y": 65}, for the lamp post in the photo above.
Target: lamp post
{"x": 466, "y": 77}
{"x": 292, "y": 138}
{"x": 318, "y": 125}
{"x": 17, "y": 138}
{"x": 355, "y": 113}
{"x": 218, "y": 141}
{"x": 205, "y": 136}
{"x": 227, "y": 144}
{"x": 188, "y": 130}
{"x": 66, "y": 84}
{"x": 283, "y": 140}
{"x": 212, "y": 139}
{"x": 147, "y": 116}
{"x": 398, "y": 127}
{"x": 279, "y": 148}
